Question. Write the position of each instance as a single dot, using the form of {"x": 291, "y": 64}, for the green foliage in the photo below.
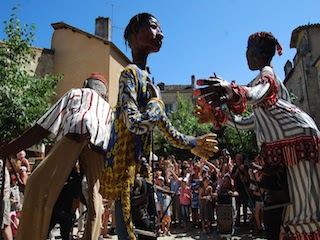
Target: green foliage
{"x": 239, "y": 141}
{"x": 24, "y": 97}
{"x": 184, "y": 121}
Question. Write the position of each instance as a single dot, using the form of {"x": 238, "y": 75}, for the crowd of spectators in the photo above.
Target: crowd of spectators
{"x": 198, "y": 186}
{"x": 191, "y": 191}
{"x": 16, "y": 175}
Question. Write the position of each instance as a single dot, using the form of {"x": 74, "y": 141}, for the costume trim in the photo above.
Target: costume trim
{"x": 240, "y": 106}
{"x": 271, "y": 99}
{"x": 290, "y": 151}
{"x": 300, "y": 236}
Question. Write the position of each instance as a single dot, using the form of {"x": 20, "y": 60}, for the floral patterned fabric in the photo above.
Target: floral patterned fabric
{"x": 136, "y": 114}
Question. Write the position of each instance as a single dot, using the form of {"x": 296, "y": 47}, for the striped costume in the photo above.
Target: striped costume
{"x": 135, "y": 117}
{"x": 80, "y": 112}
{"x": 80, "y": 121}
{"x": 287, "y": 136}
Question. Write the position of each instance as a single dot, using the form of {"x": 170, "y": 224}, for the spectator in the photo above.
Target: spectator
{"x": 206, "y": 194}
{"x": 258, "y": 195}
{"x": 210, "y": 170}
{"x": 166, "y": 217}
{"x": 227, "y": 158}
{"x": 21, "y": 156}
{"x": 112, "y": 230}
{"x": 15, "y": 194}
{"x": 226, "y": 191}
{"x": 83, "y": 201}
{"x": 185, "y": 172}
{"x": 22, "y": 181}
{"x": 160, "y": 165}
{"x": 14, "y": 222}
{"x": 15, "y": 205}
{"x": 63, "y": 212}
{"x": 185, "y": 201}
{"x": 5, "y": 226}
{"x": 160, "y": 183}
{"x": 196, "y": 180}
{"x": 105, "y": 217}
{"x": 175, "y": 187}
{"x": 223, "y": 170}
{"x": 241, "y": 177}
{"x": 168, "y": 167}
{"x": 144, "y": 214}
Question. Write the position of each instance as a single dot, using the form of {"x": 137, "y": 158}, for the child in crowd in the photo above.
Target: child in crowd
{"x": 206, "y": 194}
{"x": 15, "y": 205}
{"x": 185, "y": 201}
{"x": 175, "y": 187}
{"x": 14, "y": 194}
{"x": 196, "y": 180}
{"x": 159, "y": 203}
{"x": 195, "y": 206}
{"x": 166, "y": 218}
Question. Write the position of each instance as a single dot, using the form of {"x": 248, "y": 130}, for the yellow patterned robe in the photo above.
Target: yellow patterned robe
{"x": 136, "y": 114}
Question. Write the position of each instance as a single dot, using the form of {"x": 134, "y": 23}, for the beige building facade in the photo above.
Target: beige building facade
{"x": 76, "y": 54}
{"x": 302, "y": 77}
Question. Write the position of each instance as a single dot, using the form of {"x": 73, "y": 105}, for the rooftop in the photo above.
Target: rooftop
{"x": 295, "y": 33}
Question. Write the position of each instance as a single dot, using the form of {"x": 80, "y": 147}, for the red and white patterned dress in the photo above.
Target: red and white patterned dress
{"x": 289, "y": 137}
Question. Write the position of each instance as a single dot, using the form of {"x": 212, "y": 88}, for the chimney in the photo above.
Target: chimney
{"x": 103, "y": 28}
{"x": 287, "y": 68}
{"x": 193, "y": 80}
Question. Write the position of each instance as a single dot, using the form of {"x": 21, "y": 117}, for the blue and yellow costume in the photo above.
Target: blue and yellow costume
{"x": 136, "y": 114}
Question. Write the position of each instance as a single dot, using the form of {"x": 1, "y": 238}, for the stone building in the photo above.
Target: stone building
{"x": 302, "y": 77}
{"x": 76, "y": 54}
{"x": 170, "y": 94}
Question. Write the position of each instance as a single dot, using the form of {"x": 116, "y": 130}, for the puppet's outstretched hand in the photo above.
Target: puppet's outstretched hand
{"x": 206, "y": 146}
{"x": 215, "y": 91}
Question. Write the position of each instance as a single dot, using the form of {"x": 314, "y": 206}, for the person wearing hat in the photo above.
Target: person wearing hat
{"x": 80, "y": 123}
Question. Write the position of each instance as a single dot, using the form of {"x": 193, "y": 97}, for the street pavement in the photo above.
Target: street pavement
{"x": 244, "y": 232}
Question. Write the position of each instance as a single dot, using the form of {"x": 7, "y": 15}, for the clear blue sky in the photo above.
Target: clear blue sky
{"x": 201, "y": 37}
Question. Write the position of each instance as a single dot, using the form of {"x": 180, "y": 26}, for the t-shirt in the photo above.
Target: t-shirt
{"x": 166, "y": 205}
{"x": 238, "y": 184}
{"x": 184, "y": 196}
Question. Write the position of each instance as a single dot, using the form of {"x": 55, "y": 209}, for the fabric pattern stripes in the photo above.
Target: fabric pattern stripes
{"x": 80, "y": 111}
{"x": 306, "y": 195}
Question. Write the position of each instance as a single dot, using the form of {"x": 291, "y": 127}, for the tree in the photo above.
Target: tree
{"x": 24, "y": 97}
{"x": 184, "y": 121}
{"x": 239, "y": 141}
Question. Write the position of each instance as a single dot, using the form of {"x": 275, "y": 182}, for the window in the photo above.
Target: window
{"x": 169, "y": 108}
